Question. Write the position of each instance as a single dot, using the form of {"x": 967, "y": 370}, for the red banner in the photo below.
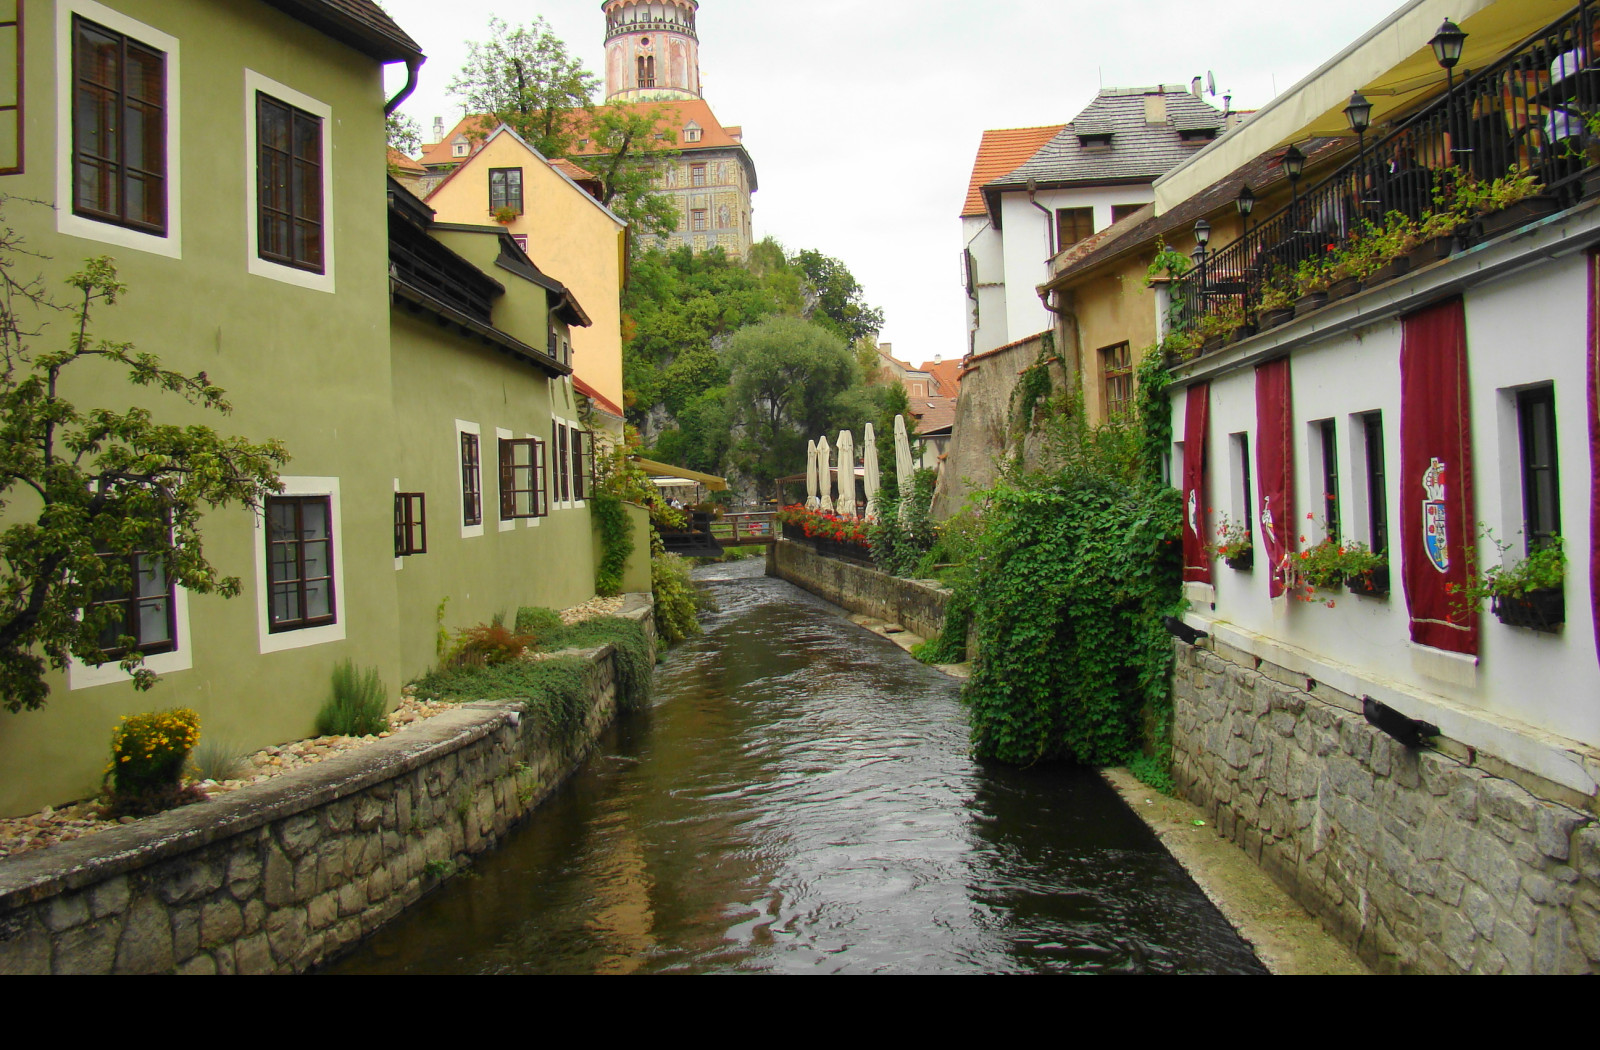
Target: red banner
{"x": 1594, "y": 442}
{"x": 1437, "y": 521}
{"x": 1196, "y": 561}
{"x": 1275, "y": 471}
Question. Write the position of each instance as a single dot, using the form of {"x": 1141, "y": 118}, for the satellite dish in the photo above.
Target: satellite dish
{"x": 1211, "y": 84}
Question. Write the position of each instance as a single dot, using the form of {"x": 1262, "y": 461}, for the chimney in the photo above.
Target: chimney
{"x": 1194, "y": 86}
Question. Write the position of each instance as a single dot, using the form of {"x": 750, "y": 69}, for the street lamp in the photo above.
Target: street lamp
{"x": 1246, "y": 203}
{"x": 1447, "y": 44}
{"x": 1358, "y": 111}
{"x": 1294, "y": 165}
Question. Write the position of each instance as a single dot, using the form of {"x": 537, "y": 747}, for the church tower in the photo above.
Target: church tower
{"x": 652, "y": 51}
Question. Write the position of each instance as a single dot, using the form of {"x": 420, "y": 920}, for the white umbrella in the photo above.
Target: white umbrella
{"x": 869, "y": 454}
{"x": 847, "y": 474}
{"x": 812, "y": 502}
{"x": 902, "y": 465}
{"x": 825, "y": 475}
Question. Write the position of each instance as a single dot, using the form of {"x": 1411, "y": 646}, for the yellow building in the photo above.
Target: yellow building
{"x": 565, "y": 231}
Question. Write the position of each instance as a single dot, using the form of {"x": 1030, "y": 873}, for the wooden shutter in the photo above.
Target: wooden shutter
{"x": 540, "y": 481}
{"x": 508, "y": 480}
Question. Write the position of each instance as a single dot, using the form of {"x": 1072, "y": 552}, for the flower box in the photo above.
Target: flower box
{"x": 1371, "y": 584}
{"x": 1343, "y": 288}
{"x": 1273, "y": 318}
{"x": 1216, "y": 342}
{"x": 1539, "y": 610}
{"x": 1529, "y": 209}
{"x": 1244, "y": 331}
{"x": 1399, "y": 266}
{"x": 1309, "y": 302}
{"x": 1431, "y": 251}
{"x": 1244, "y": 561}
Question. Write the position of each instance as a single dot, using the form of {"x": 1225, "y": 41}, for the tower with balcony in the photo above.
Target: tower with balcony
{"x": 652, "y": 50}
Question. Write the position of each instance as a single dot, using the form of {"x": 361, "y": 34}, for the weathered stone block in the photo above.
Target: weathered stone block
{"x": 24, "y": 945}
{"x": 278, "y": 883}
{"x": 185, "y": 931}
{"x": 146, "y": 942}
{"x": 200, "y": 965}
{"x": 189, "y": 878}
{"x": 338, "y": 817}
{"x": 220, "y": 922}
{"x": 109, "y": 897}
{"x": 299, "y": 834}
{"x": 65, "y": 911}
{"x": 253, "y": 955}
{"x": 352, "y": 900}
{"x": 244, "y": 873}
{"x": 255, "y": 914}
{"x": 1508, "y": 802}
{"x": 286, "y": 935}
{"x": 1554, "y": 826}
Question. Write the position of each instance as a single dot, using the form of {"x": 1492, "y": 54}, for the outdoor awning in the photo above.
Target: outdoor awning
{"x": 666, "y": 470}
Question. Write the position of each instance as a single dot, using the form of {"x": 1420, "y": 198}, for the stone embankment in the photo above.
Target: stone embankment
{"x": 916, "y": 605}
{"x": 282, "y": 875}
{"x": 1424, "y": 862}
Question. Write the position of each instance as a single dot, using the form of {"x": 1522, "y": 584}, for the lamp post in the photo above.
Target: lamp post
{"x": 1246, "y": 203}
{"x": 1447, "y": 44}
{"x": 1294, "y": 165}
{"x": 1358, "y": 111}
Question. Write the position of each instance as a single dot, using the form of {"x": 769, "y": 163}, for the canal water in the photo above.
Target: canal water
{"x": 799, "y": 799}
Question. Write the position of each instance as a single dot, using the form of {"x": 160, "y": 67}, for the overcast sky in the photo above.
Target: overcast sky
{"x": 863, "y": 118}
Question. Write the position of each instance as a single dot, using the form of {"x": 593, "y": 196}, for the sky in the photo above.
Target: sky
{"x": 863, "y": 118}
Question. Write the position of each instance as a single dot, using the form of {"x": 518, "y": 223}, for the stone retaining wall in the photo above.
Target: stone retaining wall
{"x": 282, "y": 875}
{"x": 1420, "y": 861}
{"x": 916, "y": 605}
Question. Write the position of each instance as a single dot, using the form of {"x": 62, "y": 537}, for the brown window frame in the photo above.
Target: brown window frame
{"x": 130, "y": 601}
{"x": 505, "y": 196}
{"x": 15, "y": 109}
{"x": 534, "y": 472}
{"x": 114, "y": 167}
{"x": 410, "y": 524}
{"x": 471, "y": 479}
{"x": 582, "y": 464}
{"x": 1072, "y": 226}
{"x": 298, "y": 215}
{"x": 1539, "y": 461}
{"x": 697, "y": 175}
{"x": 274, "y": 625}
{"x": 698, "y": 219}
{"x": 561, "y": 468}
{"x": 1116, "y": 374}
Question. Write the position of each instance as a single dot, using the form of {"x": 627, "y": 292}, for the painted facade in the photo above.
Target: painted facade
{"x": 652, "y": 50}
{"x": 565, "y": 232}
{"x": 306, "y": 356}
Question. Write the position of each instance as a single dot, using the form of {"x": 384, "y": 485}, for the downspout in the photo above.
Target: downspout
{"x": 1049, "y": 220}
{"x": 413, "y": 66}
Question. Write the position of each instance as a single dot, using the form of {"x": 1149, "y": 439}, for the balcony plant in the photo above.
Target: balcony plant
{"x": 505, "y": 215}
{"x": 1529, "y": 593}
{"x": 1233, "y": 543}
{"x": 1311, "y": 280}
{"x": 1329, "y": 564}
{"x": 1512, "y": 200}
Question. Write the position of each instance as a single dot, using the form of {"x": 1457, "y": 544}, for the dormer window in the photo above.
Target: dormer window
{"x": 1197, "y": 134}
{"x": 1096, "y": 140}
{"x": 691, "y": 132}
{"x": 460, "y": 147}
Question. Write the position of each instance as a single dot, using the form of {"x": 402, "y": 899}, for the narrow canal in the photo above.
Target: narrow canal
{"x": 800, "y": 800}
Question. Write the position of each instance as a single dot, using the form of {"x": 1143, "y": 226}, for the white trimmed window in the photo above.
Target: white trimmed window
{"x": 300, "y": 566}
{"x": 289, "y": 219}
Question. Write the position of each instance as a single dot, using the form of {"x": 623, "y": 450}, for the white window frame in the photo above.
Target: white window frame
{"x": 469, "y": 532}
{"x": 549, "y": 505}
{"x": 306, "y": 636}
{"x": 170, "y": 245}
{"x": 255, "y": 83}
{"x": 86, "y": 676}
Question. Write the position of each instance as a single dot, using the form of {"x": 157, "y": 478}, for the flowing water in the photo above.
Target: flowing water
{"x": 799, "y": 799}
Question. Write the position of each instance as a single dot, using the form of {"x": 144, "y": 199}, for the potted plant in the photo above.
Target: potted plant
{"x": 1435, "y": 237}
{"x": 1275, "y": 306}
{"x": 1233, "y": 544}
{"x": 505, "y": 215}
{"x": 1389, "y": 246}
{"x": 1530, "y": 593}
{"x": 1179, "y": 346}
{"x": 1509, "y": 202}
{"x": 1311, "y": 286}
{"x": 1366, "y": 572}
{"x": 1334, "y": 563}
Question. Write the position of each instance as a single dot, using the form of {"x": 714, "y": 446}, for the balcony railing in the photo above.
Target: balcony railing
{"x": 1534, "y": 112}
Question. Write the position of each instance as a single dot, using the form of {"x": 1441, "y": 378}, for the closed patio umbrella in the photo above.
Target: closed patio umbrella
{"x": 825, "y": 475}
{"x": 869, "y": 456}
{"x": 847, "y": 474}
{"x": 903, "y": 465}
{"x": 812, "y": 502}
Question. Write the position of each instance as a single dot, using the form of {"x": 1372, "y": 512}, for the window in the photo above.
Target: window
{"x": 1072, "y": 226}
{"x": 697, "y": 218}
{"x": 1541, "y": 503}
{"x": 647, "y": 71}
{"x": 289, "y": 184}
{"x": 299, "y": 562}
{"x": 11, "y": 87}
{"x": 410, "y": 524}
{"x": 505, "y": 189}
{"x": 697, "y": 174}
{"x": 1122, "y": 211}
{"x": 1244, "y": 502}
{"x": 146, "y": 609}
{"x": 1377, "y": 484}
{"x": 1116, "y": 364}
{"x": 691, "y": 132}
{"x": 1330, "y": 478}
{"x": 460, "y": 147}
{"x": 119, "y": 147}
{"x": 561, "y": 475}
{"x": 471, "y": 481}
{"x": 522, "y": 479}
{"x": 582, "y": 464}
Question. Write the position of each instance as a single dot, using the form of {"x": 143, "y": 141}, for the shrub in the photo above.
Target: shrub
{"x": 218, "y": 758}
{"x": 677, "y": 599}
{"x": 487, "y": 644}
{"x": 148, "y": 753}
{"x": 534, "y": 620}
{"x": 358, "y": 706}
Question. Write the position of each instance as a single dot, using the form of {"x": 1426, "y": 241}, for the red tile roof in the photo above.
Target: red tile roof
{"x": 438, "y": 153}
{"x": 572, "y": 171}
{"x": 934, "y": 413}
{"x": 1000, "y": 153}
{"x": 401, "y": 162}
{"x": 945, "y": 373}
{"x": 678, "y": 113}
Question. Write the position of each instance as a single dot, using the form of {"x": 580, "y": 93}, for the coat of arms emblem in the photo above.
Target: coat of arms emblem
{"x": 1194, "y": 512}
{"x": 1435, "y": 536}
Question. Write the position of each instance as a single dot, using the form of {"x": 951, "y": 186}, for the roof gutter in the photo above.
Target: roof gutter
{"x": 413, "y": 66}
{"x": 1049, "y": 220}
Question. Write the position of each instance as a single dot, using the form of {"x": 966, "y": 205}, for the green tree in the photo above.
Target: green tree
{"x": 840, "y": 306}
{"x": 94, "y": 493}
{"x": 524, "y": 77}
{"x": 786, "y": 377}
{"x": 633, "y": 137}
{"x": 403, "y": 133}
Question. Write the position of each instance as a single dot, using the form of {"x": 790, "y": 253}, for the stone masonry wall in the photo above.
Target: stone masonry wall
{"x": 1419, "y": 861}
{"x": 917, "y": 605}
{"x": 285, "y": 874}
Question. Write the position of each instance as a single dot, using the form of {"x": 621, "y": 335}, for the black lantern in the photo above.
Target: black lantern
{"x": 1294, "y": 163}
{"x": 1202, "y": 233}
{"x": 1447, "y": 44}
{"x": 1358, "y": 111}
{"x": 1246, "y": 202}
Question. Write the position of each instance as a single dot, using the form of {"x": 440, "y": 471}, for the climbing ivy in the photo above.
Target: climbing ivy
{"x": 1034, "y": 385}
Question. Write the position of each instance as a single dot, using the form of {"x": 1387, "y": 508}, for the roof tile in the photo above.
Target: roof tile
{"x": 999, "y": 153}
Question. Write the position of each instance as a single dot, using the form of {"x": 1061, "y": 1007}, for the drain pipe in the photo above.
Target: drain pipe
{"x": 413, "y": 65}
{"x": 1049, "y": 219}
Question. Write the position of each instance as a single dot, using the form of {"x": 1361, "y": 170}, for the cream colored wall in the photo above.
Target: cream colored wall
{"x": 569, "y": 237}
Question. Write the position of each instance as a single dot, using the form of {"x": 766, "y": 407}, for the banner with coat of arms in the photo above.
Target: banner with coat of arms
{"x": 1437, "y": 519}
{"x": 1594, "y": 442}
{"x": 1196, "y": 561}
{"x": 1275, "y": 472}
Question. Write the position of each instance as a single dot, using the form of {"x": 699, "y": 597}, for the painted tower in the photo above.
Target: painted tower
{"x": 652, "y": 51}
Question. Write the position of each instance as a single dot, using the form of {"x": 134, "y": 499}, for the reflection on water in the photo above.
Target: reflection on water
{"x": 800, "y": 799}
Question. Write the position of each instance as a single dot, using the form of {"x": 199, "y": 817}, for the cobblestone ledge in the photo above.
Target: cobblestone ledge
{"x": 917, "y": 605}
{"x": 282, "y": 875}
{"x": 1421, "y": 862}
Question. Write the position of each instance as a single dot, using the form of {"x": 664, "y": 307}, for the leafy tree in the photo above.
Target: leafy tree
{"x": 630, "y": 168}
{"x": 524, "y": 77}
{"x": 839, "y": 303}
{"x": 404, "y": 133}
{"x": 786, "y": 375}
{"x": 90, "y": 491}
